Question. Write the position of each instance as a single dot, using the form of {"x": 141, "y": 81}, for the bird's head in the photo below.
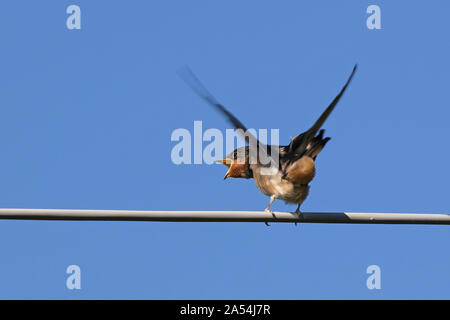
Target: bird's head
{"x": 238, "y": 164}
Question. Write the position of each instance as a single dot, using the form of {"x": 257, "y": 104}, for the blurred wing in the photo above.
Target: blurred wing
{"x": 192, "y": 81}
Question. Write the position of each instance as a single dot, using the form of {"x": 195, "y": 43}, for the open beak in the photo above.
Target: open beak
{"x": 226, "y": 162}
{"x": 227, "y": 175}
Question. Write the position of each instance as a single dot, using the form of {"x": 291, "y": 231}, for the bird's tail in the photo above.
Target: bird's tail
{"x": 317, "y": 144}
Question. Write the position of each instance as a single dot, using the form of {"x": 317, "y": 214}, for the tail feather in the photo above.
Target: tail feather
{"x": 316, "y": 145}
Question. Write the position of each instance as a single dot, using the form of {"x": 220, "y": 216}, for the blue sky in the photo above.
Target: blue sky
{"x": 86, "y": 117}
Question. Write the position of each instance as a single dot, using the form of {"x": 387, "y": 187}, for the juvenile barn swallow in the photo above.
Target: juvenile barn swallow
{"x": 295, "y": 168}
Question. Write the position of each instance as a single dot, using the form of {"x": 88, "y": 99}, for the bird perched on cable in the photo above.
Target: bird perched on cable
{"x": 287, "y": 170}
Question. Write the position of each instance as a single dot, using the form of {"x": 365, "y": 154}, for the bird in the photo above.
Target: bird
{"x": 292, "y": 167}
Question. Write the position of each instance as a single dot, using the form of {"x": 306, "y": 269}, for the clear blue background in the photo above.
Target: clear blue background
{"x": 86, "y": 117}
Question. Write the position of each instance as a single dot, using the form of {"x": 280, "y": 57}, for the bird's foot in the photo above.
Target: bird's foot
{"x": 299, "y": 214}
{"x": 270, "y": 211}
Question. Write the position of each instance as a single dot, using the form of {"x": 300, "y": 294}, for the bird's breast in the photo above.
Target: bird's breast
{"x": 271, "y": 182}
{"x": 290, "y": 188}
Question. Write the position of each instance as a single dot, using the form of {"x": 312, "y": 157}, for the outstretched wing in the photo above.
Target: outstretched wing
{"x": 192, "y": 81}
{"x": 300, "y": 142}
